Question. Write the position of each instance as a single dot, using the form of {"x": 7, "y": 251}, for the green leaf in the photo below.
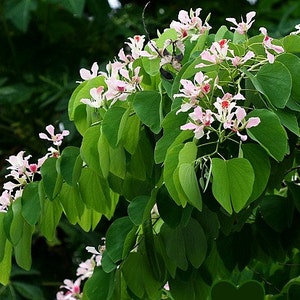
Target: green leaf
{"x": 71, "y": 202}
{"x": 195, "y": 243}
{"x": 170, "y": 166}
{"x": 94, "y": 291}
{"x": 89, "y": 148}
{"x": 174, "y": 242}
{"x": 232, "y": 182}
{"x": 136, "y": 209}
{"x": 291, "y": 43}
{"x": 269, "y": 133}
{"x": 171, "y": 134}
{"x": 116, "y": 236}
{"x": 31, "y": 207}
{"x": 288, "y": 120}
{"x": 140, "y": 279}
{"x": 6, "y": 264}
{"x": 94, "y": 190}
{"x": 19, "y": 12}
{"x": 188, "y": 181}
{"x": 22, "y": 250}
{"x": 14, "y": 222}
{"x": 168, "y": 210}
{"x": 70, "y": 165}
{"x": 52, "y": 181}
{"x": 147, "y": 105}
{"x": 50, "y": 216}
{"x": 111, "y": 124}
{"x": 275, "y": 82}
{"x": 89, "y": 219}
{"x": 277, "y": 212}
{"x": 261, "y": 166}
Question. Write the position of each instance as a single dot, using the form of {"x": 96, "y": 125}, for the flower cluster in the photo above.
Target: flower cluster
{"x": 72, "y": 289}
{"x": 22, "y": 171}
{"x": 120, "y": 79}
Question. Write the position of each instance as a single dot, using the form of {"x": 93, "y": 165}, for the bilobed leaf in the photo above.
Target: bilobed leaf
{"x": 232, "y": 182}
{"x": 50, "y": 216}
{"x": 94, "y": 190}
{"x": 111, "y": 124}
{"x": 136, "y": 209}
{"x": 195, "y": 243}
{"x": 6, "y": 263}
{"x": 173, "y": 239}
{"x": 147, "y": 105}
{"x": 95, "y": 291}
{"x": 13, "y": 222}
{"x": 260, "y": 163}
{"x": 70, "y": 165}
{"x": 269, "y": 133}
{"x": 116, "y": 236}
{"x": 52, "y": 181}
{"x": 31, "y": 207}
{"x": 188, "y": 181}
{"x": 71, "y": 202}
{"x": 89, "y": 148}
{"x": 22, "y": 250}
{"x": 89, "y": 219}
{"x": 171, "y": 130}
{"x": 170, "y": 166}
{"x": 275, "y": 82}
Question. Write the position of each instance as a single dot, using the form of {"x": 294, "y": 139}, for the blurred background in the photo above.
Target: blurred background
{"x": 43, "y": 44}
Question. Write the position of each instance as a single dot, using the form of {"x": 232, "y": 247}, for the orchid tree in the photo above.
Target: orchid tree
{"x": 198, "y": 133}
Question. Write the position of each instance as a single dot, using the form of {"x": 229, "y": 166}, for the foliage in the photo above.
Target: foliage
{"x": 198, "y": 134}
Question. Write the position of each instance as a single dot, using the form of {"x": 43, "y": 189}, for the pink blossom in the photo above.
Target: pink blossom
{"x": 267, "y": 43}
{"x": 200, "y": 120}
{"x": 243, "y": 27}
{"x": 18, "y": 162}
{"x": 72, "y": 290}
{"x": 86, "y": 74}
{"x": 193, "y": 91}
{"x": 97, "y": 97}
{"x": 216, "y": 54}
{"x": 55, "y": 138}
{"x": 5, "y": 200}
{"x": 238, "y": 60}
{"x": 189, "y": 22}
{"x": 136, "y": 45}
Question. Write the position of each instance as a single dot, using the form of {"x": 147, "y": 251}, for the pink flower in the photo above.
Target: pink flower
{"x": 189, "y": 22}
{"x": 55, "y": 138}
{"x": 243, "y": 27}
{"x": 200, "y": 120}
{"x": 267, "y": 43}
{"x": 18, "y": 162}
{"x": 72, "y": 290}
{"x": 237, "y": 60}
{"x": 97, "y": 97}
{"x": 86, "y": 74}
{"x": 5, "y": 200}
{"x": 193, "y": 91}
{"x": 216, "y": 54}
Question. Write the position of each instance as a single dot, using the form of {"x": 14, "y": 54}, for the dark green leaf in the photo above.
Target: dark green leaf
{"x": 147, "y": 105}
{"x": 31, "y": 207}
{"x": 269, "y": 133}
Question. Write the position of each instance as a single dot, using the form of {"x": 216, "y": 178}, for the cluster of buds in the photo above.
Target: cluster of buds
{"x": 22, "y": 171}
